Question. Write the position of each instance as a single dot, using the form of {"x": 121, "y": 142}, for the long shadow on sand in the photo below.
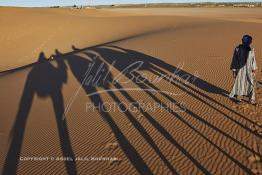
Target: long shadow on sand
{"x": 44, "y": 80}
{"x": 93, "y": 73}
{"x": 122, "y": 58}
{"x": 86, "y": 71}
{"x": 171, "y": 74}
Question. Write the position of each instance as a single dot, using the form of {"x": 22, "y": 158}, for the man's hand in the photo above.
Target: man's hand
{"x": 234, "y": 74}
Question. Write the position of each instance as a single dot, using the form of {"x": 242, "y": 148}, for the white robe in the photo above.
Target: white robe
{"x": 244, "y": 84}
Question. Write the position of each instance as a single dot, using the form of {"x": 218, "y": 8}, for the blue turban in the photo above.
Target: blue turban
{"x": 246, "y": 40}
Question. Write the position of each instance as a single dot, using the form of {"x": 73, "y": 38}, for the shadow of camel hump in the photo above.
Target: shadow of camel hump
{"x": 125, "y": 57}
{"x": 44, "y": 80}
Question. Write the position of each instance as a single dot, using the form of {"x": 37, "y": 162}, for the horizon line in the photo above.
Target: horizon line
{"x": 123, "y": 4}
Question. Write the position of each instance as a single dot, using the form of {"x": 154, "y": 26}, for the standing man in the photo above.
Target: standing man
{"x": 243, "y": 66}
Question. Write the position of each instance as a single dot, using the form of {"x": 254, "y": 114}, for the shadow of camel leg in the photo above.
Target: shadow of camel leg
{"x": 18, "y": 131}
{"x": 67, "y": 150}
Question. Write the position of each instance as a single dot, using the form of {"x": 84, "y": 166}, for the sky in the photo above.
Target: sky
{"x": 46, "y": 3}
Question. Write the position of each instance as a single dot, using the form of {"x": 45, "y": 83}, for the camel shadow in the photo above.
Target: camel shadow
{"x": 44, "y": 80}
{"x": 131, "y": 63}
{"x": 92, "y": 73}
{"x": 125, "y": 57}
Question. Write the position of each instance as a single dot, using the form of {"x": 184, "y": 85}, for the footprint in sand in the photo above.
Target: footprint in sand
{"x": 256, "y": 171}
{"x": 259, "y": 123}
{"x": 111, "y": 146}
{"x": 116, "y": 161}
{"x": 254, "y": 158}
{"x": 259, "y": 132}
{"x": 246, "y": 108}
{"x": 255, "y": 128}
{"x": 252, "y": 127}
{"x": 140, "y": 116}
{"x": 253, "y": 112}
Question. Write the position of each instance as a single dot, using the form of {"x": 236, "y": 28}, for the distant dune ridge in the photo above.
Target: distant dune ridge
{"x": 46, "y": 54}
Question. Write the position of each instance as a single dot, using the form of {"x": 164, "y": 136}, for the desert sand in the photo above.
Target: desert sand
{"x": 50, "y": 110}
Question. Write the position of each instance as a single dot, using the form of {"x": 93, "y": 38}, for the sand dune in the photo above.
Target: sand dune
{"x": 195, "y": 128}
{"x": 27, "y": 32}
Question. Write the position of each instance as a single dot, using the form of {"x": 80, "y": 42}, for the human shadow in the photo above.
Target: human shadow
{"x": 44, "y": 80}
